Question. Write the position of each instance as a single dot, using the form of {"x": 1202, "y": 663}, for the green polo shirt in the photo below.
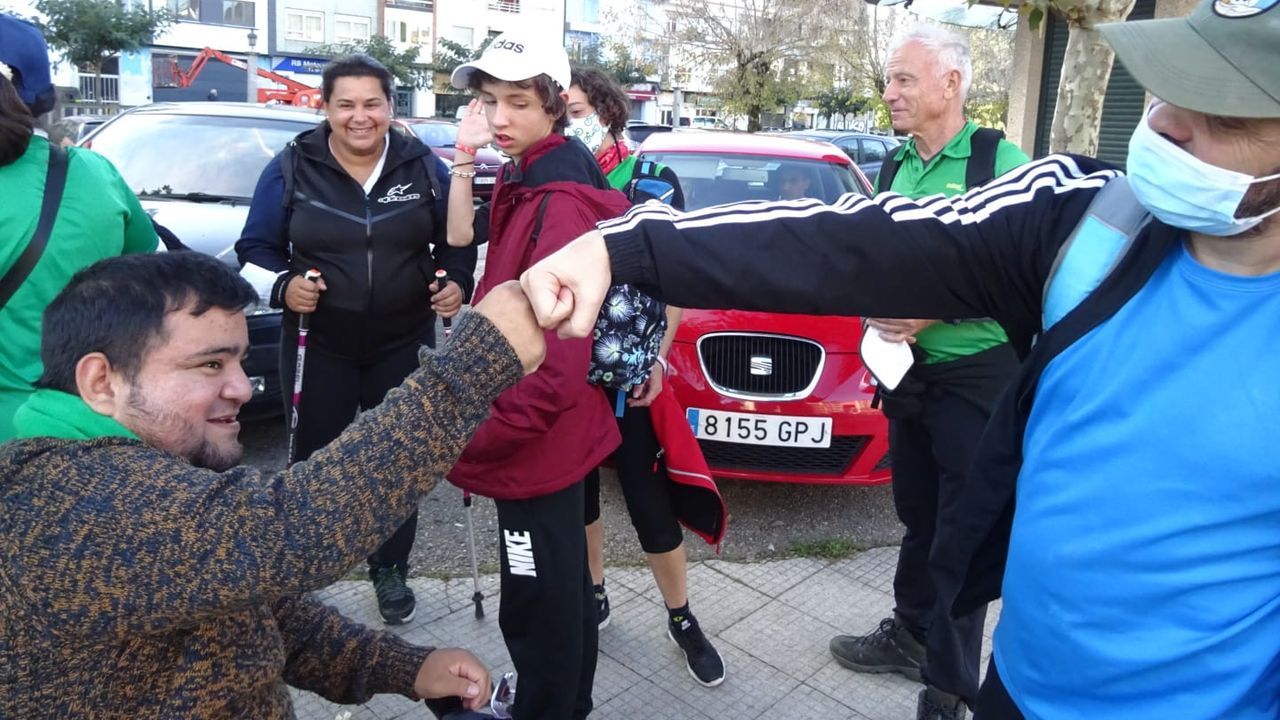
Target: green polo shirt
{"x": 944, "y": 174}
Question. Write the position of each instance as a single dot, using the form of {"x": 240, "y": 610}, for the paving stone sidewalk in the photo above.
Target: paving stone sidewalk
{"x": 770, "y": 621}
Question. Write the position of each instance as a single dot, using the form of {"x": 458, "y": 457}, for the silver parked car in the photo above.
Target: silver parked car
{"x": 194, "y": 166}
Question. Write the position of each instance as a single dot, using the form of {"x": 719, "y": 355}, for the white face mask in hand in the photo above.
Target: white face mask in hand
{"x": 1185, "y": 191}
{"x": 589, "y": 130}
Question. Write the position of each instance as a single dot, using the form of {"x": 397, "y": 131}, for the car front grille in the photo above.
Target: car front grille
{"x": 759, "y": 365}
{"x": 765, "y": 458}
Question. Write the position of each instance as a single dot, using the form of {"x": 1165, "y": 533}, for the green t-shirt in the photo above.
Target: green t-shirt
{"x": 944, "y": 174}
{"x": 99, "y": 217}
{"x": 621, "y": 175}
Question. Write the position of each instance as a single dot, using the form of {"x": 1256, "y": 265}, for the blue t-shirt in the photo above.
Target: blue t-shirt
{"x": 1143, "y": 578}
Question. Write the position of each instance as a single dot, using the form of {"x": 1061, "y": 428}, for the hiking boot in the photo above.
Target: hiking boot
{"x": 890, "y": 648}
{"x": 934, "y": 704}
{"x": 396, "y": 603}
{"x": 602, "y": 606}
{"x": 704, "y": 663}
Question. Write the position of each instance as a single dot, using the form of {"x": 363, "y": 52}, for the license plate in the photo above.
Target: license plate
{"x": 485, "y": 180}
{"x": 752, "y": 429}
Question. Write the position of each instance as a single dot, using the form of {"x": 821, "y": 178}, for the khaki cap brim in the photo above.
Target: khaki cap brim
{"x": 1174, "y": 63}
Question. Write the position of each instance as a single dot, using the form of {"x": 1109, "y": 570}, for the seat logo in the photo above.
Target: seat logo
{"x": 519, "y": 553}
{"x": 397, "y": 194}
{"x": 761, "y": 365}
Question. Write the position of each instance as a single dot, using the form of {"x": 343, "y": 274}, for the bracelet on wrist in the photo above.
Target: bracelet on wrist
{"x": 461, "y": 174}
{"x": 466, "y": 149}
{"x": 666, "y": 369}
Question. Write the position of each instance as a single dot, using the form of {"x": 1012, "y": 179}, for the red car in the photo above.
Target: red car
{"x": 770, "y": 396}
{"x": 440, "y": 135}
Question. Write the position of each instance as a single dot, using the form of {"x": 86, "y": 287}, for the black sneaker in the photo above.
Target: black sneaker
{"x": 396, "y": 603}
{"x": 602, "y": 606}
{"x": 705, "y": 664}
{"x": 890, "y": 648}
{"x": 934, "y": 704}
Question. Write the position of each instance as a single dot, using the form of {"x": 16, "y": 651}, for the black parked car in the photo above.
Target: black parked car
{"x": 194, "y": 167}
{"x": 868, "y": 152}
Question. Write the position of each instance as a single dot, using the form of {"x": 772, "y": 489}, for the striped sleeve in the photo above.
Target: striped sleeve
{"x": 981, "y": 254}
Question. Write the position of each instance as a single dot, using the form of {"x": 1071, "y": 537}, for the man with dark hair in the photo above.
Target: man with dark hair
{"x": 146, "y": 574}
{"x": 545, "y": 433}
{"x": 1123, "y": 498}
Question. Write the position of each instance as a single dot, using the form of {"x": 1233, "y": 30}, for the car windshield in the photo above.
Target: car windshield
{"x": 199, "y": 157}
{"x": 714, "y": 179}
{"x": 435, "y": 134}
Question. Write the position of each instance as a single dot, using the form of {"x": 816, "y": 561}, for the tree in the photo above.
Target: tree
{"x": 403, "y": 64}
{"x": 1086, "y": 68}
{"x": 763, "y": 45}
{"x": 88, "y": 32}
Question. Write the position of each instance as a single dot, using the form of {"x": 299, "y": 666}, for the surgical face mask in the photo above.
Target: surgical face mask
{"x": 1185, "y": 191}
{"x": 589, "y": 130}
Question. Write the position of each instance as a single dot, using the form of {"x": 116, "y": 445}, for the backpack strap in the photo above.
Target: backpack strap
{"x": 888, "y": 169}
{"x": 982, "y": 157}
{"x": 288, "y": 168}
{"x": 55, "y": 182}
{"x": 429, "y": 161}
{"x": 537, "y": 230}
{"x": 1098, "y": 243}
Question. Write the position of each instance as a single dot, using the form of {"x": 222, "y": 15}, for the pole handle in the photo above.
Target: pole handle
{"x": 442, "y": 279}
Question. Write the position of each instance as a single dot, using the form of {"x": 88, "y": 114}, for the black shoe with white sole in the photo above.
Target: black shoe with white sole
{"x": 704, "y": 663}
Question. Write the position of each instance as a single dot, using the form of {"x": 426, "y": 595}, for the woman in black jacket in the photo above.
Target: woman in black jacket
{"x": 366, "y": 207}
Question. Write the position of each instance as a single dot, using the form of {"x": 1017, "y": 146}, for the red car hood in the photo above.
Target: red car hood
{"x": 836, "y": 334}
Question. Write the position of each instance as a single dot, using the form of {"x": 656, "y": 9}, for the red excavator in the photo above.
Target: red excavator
{"x": 293, "y": 93}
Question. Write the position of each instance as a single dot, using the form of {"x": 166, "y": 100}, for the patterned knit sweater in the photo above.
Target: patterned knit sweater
{"x": 134, "y": 585}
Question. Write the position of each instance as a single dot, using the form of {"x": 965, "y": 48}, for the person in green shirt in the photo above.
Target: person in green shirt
{"x": 937, "y": 413}
{"x": 98, "y": 216}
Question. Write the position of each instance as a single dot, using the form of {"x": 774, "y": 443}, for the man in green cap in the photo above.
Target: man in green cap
{"x": 1125, "y": 496}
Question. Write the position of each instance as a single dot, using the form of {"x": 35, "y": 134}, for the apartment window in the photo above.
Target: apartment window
{"x": 213, "y": 12}
{"x": 350, "y": 28}
{"x": 237, "y": 12}
{"x": 464, "y": 36}
{"x": 398, "y": 30}
{"x": 510, "y": 6}
{"x": 405, "y": 32}
{"x": 304, "y": 25}
{"x": 185, "y": 9}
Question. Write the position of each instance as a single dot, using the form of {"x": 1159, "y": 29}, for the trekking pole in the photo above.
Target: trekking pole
{"x": 477, "y": 597}
{"x": 442, "y": 279}
{"x": 304, "y": 326}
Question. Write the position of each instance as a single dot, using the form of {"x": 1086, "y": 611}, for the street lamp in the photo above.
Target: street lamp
{"x": 252, "y": 69}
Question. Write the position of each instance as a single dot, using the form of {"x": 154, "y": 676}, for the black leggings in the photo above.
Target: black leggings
{"x": 333, "y": 390}
{"x": 645, "y": 484}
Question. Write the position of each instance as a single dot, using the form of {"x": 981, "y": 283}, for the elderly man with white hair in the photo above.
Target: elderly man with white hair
{"x": 938, "y": 411}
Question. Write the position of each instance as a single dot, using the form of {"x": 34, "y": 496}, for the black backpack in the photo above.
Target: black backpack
{"x": 980, "y": 168}
{"x": 629, "y": 330}
{"x": 654, "y": 181}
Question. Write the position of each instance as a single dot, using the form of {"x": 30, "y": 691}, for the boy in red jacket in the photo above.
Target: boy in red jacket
{"x": 546, "y": 432}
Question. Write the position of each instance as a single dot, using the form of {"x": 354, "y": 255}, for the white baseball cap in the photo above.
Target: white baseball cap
{"x": 514, "y": 56}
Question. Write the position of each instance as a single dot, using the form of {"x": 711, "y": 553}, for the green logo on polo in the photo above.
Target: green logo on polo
{"x": 1242, "y": 8}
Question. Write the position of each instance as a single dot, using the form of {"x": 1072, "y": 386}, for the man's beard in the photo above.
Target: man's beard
{"x": 197, "y": 449}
